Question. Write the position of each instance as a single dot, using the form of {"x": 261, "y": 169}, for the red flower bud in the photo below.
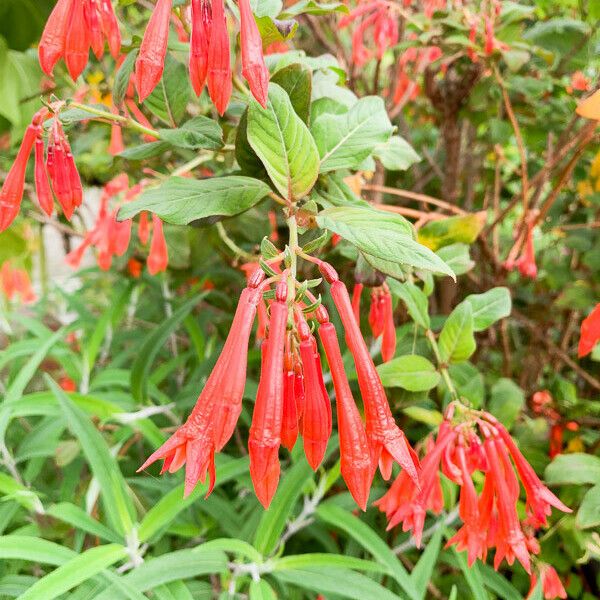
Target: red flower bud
{"x": 201, "y": 28}
{"x": 77, "y": 41}
{"x": 158, "y": 258}
{"x": 110, "y": 27}
{"x": 219, "y": 61}
{"x": 42, "y": 185}
{"x": 150, "y": 62}
{"x": 254, "y": 68}
{"x": 52, "y": 43}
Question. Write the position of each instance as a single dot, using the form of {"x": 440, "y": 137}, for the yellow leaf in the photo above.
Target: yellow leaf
{"x": 453, "y": 230}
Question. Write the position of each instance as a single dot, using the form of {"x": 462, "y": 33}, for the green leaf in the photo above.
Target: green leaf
{"x": 456, "y": 341}
{"x": 456, "y": 256}
{"x": 165, "y": 511}
{"x": 249, "y": 163}
{"x": 123, "y": 77}
{"x": 174, "y": 566}
{"x": 339, "y": 582}
{"x": 169, "y": 98}
{"x": 181, "y": 201}
{"x": 588, "y": 514}
{"x": 296, "y": 80}
{"x": 76, "y": 571}
{"x": 22, "y": 495}
{"x": 574, "y": 469}
{"x": 453, "y": 230}
{"x": 300, "y": 561}
{"x": 310, "y": 7}
{"x": 383, "y": 235}
{"x": 411, "y": 372}
{"x": 283, "y": 143}
{"x": 345, "y": 141}
{"x": 489, "y": 307}
{"x": 498, "y": 584}
{"x": 506, "y": 402}
{"x": 234, "y": 546}
{"x": 199, "y": 132}
{"x": 143, "y": 151}
{"x": 396, "y": 154}
{"x": 421, "y": 574}
{"x": 275, "y": 30}
{"x": 472, "y": 575}
{"x": 273, "y": 521}
{"x": 261, "y": 590}
{"x": 414, "y": 299}
{"x": 387, "y": 267}
{"x": 118, "y": 506}
{"x": 266, "y": 8}
{"x": 78, "y": 518}
{"x": 370, "y": 541}
{"x": 154, "y": 341}
{"x": 33, "y": 549}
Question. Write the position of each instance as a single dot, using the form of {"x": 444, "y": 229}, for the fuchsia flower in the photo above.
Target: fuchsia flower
{"x": 72, "y": 28}
{"x": 219, "y": 60}
{"x": 476, "y": 441}
{"x": 381, "y": 321}
{"x": 552, "y": 586}
{"x": 150, "y": 62}
{"x": 526, "y": 262}
{"x": 158, "y": 258}
{"x": 201, "y": 26}
{"x": 15, "y": 282}
{"x": 254, "y": 68}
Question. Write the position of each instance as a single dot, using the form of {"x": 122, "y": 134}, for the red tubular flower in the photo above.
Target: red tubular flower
{"x": 254, "y": 68}
{"x": 556, "y": 439}
{"x": 42, "y": 185}
{"x": 510, "y": 540}
{"x": 356, "y": 292}
{"x": 11, "y": 193}
{"x": 110, "y": 27}
{"x": 539, "y": 499}
{"x": 376, "y": 314}
{"x": 552, "y": 586}
{"x": 489, "y": 36}
{"x": 116, "y": 145}
{"x": 590, "y": 332}
{"x": 219, "y": 61}
{"x": 289, "y": 424}
{"x": 77, "y": 41}
{"x": 526, "y": 262}
{"x": 209, "y": 425}
{"x": 143, "y": 228}
{"x": 94, "y": 27}
{"x": 265, "y": 432}
{"x": 316, "y": 420}
{"x": 150, "y": 62}
{"x": 388, "y": 342}
{"x": 16, "y": 281}
{"x": 158, "y": 257}
{"x": 201, "y": 28}
{"x": 356, "y": 466}
{"x": 386, "y": 439}
{"x": 52, "y": 43}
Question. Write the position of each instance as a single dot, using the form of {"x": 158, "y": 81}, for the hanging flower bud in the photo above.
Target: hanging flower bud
{"x": 110, "y": 27}
{"x": 201, "y": 31}
{"x": 150, "y": 62}
{"x": 143, "y": 228}
{"x": 219, "y": 62}
{"x": 77, "y": 41}
{"x": 388, "y": 343}
{"x": 254, "y": 68}
{"x": 42, "y": 185}
{"x": 289, "y": 425}
{"x": 158, "y": 257}
{"x": 316, "y": 422}
{"x": 11, "y": 193}
{"x": 265, "y": 432}
{"x": 52, "y": 43}
{"x": 552, "y": 586}
{"x": 92, "y": 17}
{"x": 356, "y": 292}
{"x": 356, "y": 466}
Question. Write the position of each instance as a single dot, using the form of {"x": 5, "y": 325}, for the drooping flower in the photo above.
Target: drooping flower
{"x": 219, "y": 60}
{"x": 150, "y": 62}
{"x": 264, "y": 437}
{"x": 52, "y": 43}
{"x": 552, "y": 586}
{"x": 387, "y": 441}
{"x": 476, "y": 441}
{"x": 254, "y": 68}
{"x": 211, "y": 422}
{"x": 356, "y": 293}
{"x": 158, "y": 257}
{"x": 16, "y": 282}
{"x": 77, "y": 41}
{"x": 201, "y": 27}
{"x": 590, "y": 332}
{"x": 526, "y": 262}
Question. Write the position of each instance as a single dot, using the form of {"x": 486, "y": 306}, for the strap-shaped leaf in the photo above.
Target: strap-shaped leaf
{"x": 284, "y": 144}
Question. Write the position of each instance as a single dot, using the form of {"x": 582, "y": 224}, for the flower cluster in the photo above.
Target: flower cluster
{"x": 291, "y": 397}
{"x": 525, "y": 263}
{"x": 16, "y": 282}
{"x": 75, "y": 26}
{"x": 468, "y": 442}
{"x": 209, "y": 61}
{"x": 412, "y": 62}
{"x": 57, "y": 163}
{"x": 111, "y": 237}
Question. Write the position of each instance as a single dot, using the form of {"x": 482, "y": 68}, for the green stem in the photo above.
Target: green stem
{"x": 109, "y": 116}
{"x": 192, "y": 164}
{"x": 441, "y": 365}
{"x": 293, "y": 245}
{"x": 239, "y": 252}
